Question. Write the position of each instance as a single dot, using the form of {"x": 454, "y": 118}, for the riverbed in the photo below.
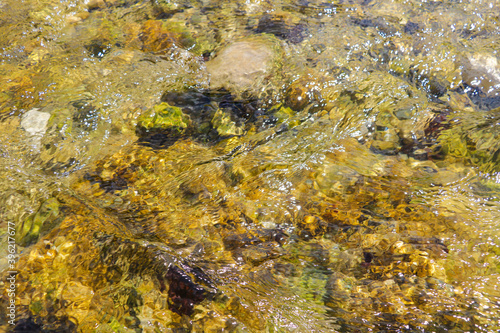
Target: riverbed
{"x": 257, "y": 166}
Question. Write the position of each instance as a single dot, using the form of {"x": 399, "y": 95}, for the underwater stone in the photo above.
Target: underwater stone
{"x": 283, "y": 25}
{"x": 481, "y": 78}
{"x": 224, "y": 125}
{"x": 35, "y": 122}
{"x": 411, "y": 28}
{"x": 183, "y": 292}
{"x": 304, "y": 92}
{"x": 482, "y": 71}
{"x": 187, "y": 285}
{"x": 163, "y": 117}
{"x": 244, "y": 65}
{"x": 157, "y": 36}
{"x": 44, "y": 220}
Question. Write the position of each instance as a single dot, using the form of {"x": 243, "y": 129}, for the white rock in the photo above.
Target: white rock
{"x": 35, "y": 122}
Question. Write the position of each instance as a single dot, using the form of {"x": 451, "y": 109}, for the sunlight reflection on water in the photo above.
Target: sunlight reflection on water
{"x": 344, "y": 178}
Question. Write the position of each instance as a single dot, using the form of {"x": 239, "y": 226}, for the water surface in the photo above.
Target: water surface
{"x": 258, "y": 166}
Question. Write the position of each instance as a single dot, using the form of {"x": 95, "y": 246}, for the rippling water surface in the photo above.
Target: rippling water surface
{"x": 258, "y": 166}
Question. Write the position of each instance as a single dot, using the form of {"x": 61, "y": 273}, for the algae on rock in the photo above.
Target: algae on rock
{"x": 224, "y": 125}
{"x": 475, "y": 140}
{"x": 164, "y": 117}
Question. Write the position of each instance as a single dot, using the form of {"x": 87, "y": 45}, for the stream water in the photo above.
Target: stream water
{"x": 256, "y": 166}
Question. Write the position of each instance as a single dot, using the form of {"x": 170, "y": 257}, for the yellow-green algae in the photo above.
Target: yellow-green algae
{"x": 224, "y": 125}
{"x": 164, "y": 117}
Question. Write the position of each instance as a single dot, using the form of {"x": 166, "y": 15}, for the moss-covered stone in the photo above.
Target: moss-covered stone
{"x": 40, "y": 223}
{"x": 285, "y": 115}
{"x": 224, "y": 125}
{"x": 163, "y": 117}
{"x": 474, "y": 140}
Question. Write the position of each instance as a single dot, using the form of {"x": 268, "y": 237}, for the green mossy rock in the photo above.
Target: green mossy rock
{"x": 164, "y": 117}
{"x": 476, "y": 140}
{"x": 285, "y": 115}
{"x": 224, "y": 125}
{"x": 39, "y": 223}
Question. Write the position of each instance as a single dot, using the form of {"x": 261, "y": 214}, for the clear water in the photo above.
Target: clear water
{"x": 353, "y": 187}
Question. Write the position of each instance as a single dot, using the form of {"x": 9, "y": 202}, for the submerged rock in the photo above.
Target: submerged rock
{"x": 162, "y": 125}
{"x": 474, "y": 139}
{"x": 163, "y": 117}
{"x": 246, "y": 65}
{"x": 283, "y": 25}
{"x": 224, "y": 125}
{"x": 35, "y": 122}
{"x": 183, "y": 292}
{"x": 482, "y": 71}
{"x": 481, "y": 76}
{"x": 40, "y": 223}
{"x": 159, "y": 36}
{"x": 206, "y": 116}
